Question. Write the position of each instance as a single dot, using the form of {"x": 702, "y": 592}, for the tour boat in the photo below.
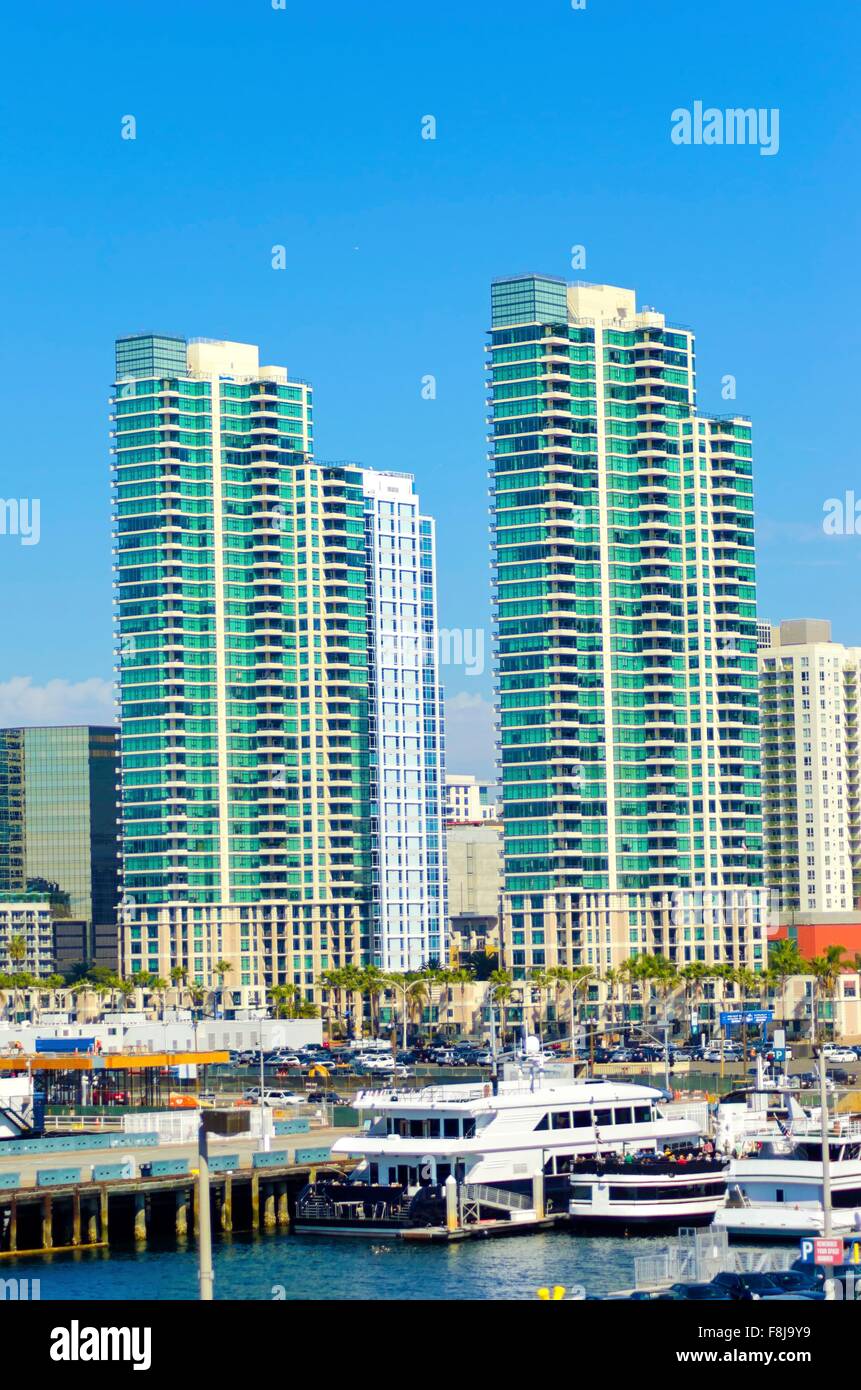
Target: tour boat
{"x": 536, "y": 1143}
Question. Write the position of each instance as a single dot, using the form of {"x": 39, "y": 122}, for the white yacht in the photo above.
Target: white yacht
{"x": 775, "y": 1177}
{"x": 538, "y": 1143}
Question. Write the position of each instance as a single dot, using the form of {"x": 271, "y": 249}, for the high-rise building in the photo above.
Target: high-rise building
{"x": 407, "y": 842}
{"x": 59, "y": 823}
{"x": 625, "y": 612}
{"x": 809, "y": 697}
{"x": 253, "y": 705}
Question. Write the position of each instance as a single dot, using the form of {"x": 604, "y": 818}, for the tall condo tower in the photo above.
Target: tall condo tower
{"x": 626, "y": 638}
{"x": 249, "y": 771}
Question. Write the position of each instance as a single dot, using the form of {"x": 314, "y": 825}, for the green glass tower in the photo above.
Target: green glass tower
{"x": 250, "y": 830}
{"x": 58, "y": 822}
{"x": 625, "y": 612}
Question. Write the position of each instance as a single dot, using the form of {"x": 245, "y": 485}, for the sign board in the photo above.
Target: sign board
{"x": 748, "y": 1016}
{"x": 822, "y": 1251}
{"x": 779, "y": 1038}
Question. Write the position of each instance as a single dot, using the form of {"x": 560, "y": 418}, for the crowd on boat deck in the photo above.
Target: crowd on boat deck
{"x": 693, "y": 1153}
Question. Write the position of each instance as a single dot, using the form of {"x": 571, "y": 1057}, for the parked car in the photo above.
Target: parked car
{"x": 749, "y": 1285}
{"x": 840, "y": 1054}
{"x": 704, "y": 1292}
{"x": 798, "y": 1281}
{"x": 273, "y": 1098}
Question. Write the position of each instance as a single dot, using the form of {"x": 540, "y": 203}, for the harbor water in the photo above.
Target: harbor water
{"x": 328, "y": 1267}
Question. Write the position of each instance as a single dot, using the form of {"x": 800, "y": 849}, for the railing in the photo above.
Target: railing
{"x": 496, "y": 1197}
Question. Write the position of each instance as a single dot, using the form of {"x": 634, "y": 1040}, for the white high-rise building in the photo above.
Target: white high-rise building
{"x": 406, "y": 728}
{"x": 809, "y": 696}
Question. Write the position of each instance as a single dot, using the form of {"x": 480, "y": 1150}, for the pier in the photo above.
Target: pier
{"x": 93, "y": 1199}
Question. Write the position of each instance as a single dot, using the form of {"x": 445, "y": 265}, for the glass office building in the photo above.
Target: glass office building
{"x": 626, "y": 638}
{"x": 58, "y": 819}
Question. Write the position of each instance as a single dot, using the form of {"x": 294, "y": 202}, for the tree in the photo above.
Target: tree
{"x": 784, "y": 961}
{"x": 694, "y": 976}
{"x": 179, "y": 980}
{"x": 373, "y": 983}
{"x": 412, "y": 987}
{"x": 544, "y": 983}
{"x": 500, "y": 993}
{"x": 826, "y": 970}
{"x": 222, "y": 968}
{"x": 614, "y": 980}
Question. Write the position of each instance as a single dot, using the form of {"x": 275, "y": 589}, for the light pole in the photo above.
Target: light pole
{"x": 826, "y": 1145}
{"x": 204, "y": 1241}
{"x": 264, "y": 1131}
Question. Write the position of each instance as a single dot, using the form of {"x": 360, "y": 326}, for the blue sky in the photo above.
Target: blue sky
{"x": 302, "y": 127}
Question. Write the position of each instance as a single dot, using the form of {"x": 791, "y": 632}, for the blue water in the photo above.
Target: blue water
{"x": 325, "y": 1267}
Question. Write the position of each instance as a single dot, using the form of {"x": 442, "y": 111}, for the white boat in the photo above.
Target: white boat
{"x": 540, "y": 1143}
{"x": 775, "y": 1177}
{"x": 17, "y": 1107}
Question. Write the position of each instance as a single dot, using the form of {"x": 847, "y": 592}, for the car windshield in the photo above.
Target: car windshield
{"x": 759, "y": 1281}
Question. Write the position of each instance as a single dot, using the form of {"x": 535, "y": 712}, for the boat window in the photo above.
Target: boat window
{"x": 561, "y": 1119}
{"x": 416, "y": 1129}
{"x": 443, "y": 1170}
{"x": 603, "y": 1117}
{"x": 565, "y": 1163}
{"x": 374, "y": 1172}
{"x": 580, "y": 1192}
{"x": 549, "y": 1168}
{"x": 582, "y": 1119}
{"x": 451, "y": 1129}
{"x": 469, "y": 1129}
{"x": 622, "y": 1116}
{"x": 642, "y": 1114}
{"x": 433, "y": 1129}
{"x": 544, "y": 1122}
{"x": 778, "y": 1194}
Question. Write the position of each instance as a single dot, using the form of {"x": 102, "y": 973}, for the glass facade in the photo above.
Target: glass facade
{"x": 58, "y": 818}
{"x": 625, "y": 605}
{"x": 244, "y": 670}
{"x": 406, "y": 731}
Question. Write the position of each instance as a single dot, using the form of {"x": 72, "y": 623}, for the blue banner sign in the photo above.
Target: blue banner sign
{"x": 748, "y": 1016}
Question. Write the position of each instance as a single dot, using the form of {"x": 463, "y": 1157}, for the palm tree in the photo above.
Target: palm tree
{"x": 500, "y": 993}
{"x": 563, "y": 979}
{"x": 784, "y": 961}
{"x": 198, "y": 996}
{"x": 543, "y": 982}
{"x": 373, "y": 983}
{"x": 826, "y": 970}
{"x": 179, "y": 980}
{"x": 694, "y": 975}
{"x": 17, "y": 953}
{"x": 461, "y": 976}
{"x": 614, "y": 980}
{"x": 222, "y": 968}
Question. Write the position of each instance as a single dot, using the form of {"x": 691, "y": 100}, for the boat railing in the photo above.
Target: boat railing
{"x": 500, "y": 1197}
{"x": 450, "y": 1095}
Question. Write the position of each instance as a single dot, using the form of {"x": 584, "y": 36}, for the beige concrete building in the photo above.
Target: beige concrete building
{"x": 809, "y": 696}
